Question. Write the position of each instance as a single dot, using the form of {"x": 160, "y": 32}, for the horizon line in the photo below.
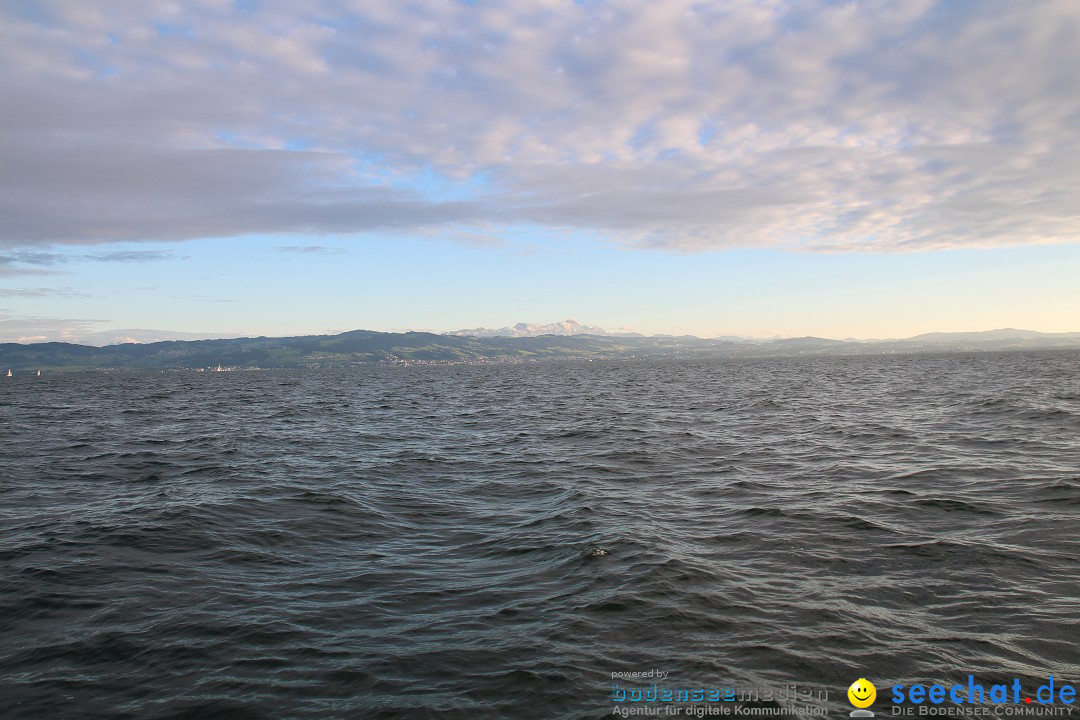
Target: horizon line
{"x": 734, "y": 337}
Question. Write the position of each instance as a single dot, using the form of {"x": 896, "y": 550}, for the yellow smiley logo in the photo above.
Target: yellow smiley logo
{"x": 862, "y": 693}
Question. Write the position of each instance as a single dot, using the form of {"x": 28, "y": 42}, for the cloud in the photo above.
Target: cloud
{"x": 15, "y": 264}
{"x": 85, "y": 331}
{"x": 128, "y": 256}
{"x": 31, "y": 258}
{"x": 6, "y": 271}
{"x": 146, "y": 335}
{"x": 27, "y": 262}
{"x": 25, "y": 328}
{"x": 42, "y": 292}
{"x": 678, "y": 125}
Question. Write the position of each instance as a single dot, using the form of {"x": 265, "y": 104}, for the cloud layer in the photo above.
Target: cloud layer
{"x": 18, "y": 328}
{"x": 669, "y": 124}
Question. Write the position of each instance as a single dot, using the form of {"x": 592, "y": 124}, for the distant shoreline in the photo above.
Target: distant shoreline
{"x": 369, "y": 348}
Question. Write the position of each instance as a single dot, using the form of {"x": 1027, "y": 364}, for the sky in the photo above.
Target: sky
{"x": 217, "y": 168}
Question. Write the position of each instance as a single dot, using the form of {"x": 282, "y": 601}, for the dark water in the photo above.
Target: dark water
{"x": 421, "y": 542}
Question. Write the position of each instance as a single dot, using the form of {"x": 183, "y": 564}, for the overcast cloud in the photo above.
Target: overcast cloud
{"x": 689, "y": 126}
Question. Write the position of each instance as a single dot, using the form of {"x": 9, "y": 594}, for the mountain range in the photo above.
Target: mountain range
{"x": 360, "y": 347}
{"x": 565, "y": 328}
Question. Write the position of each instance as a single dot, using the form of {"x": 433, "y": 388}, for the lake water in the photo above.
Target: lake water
{"x": 496, "y": 541}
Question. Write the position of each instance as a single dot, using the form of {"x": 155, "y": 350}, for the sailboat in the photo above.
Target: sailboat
{"x": 9, "y": 372}
{"x": 39, "y": 373}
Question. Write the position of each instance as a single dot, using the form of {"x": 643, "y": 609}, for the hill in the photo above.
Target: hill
{"x": 360, "y": 347}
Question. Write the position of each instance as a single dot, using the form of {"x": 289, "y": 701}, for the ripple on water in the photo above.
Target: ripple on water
{"x": 495, "y": 541}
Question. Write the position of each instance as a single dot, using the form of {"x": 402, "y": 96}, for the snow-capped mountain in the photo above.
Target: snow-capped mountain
{"x": 566, "y": 327}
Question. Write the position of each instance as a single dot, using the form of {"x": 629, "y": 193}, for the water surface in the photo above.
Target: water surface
{"x": 421, "y": 542}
